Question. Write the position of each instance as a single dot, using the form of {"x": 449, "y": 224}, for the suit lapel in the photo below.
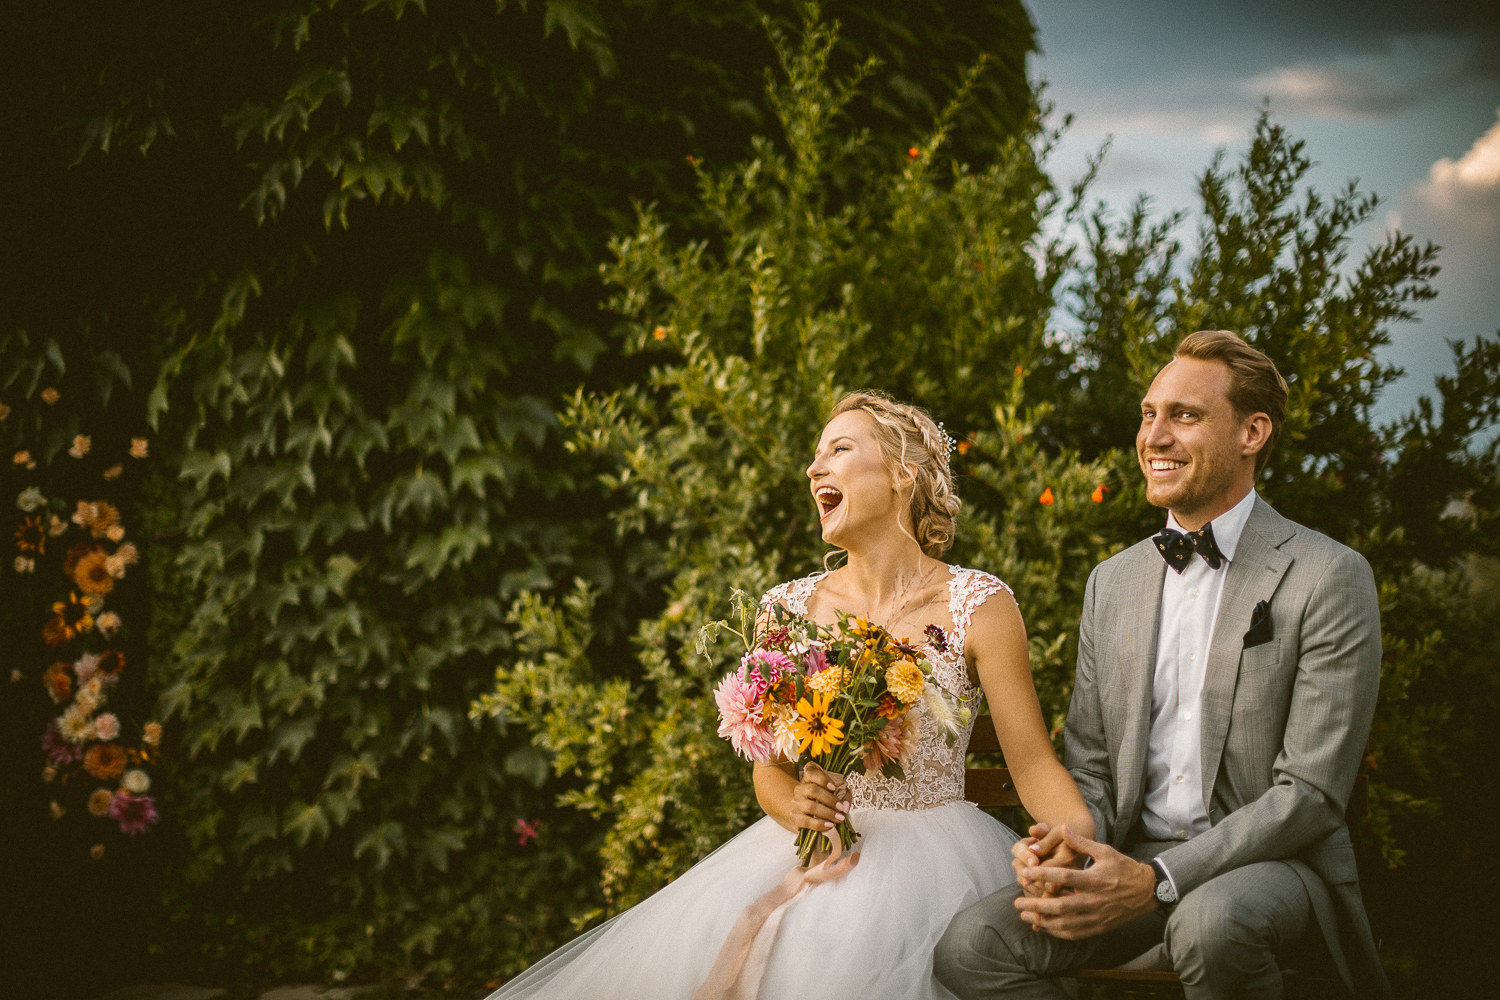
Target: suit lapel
{"x": 1254, "y": 575}
{"x": 1142, "y": 585}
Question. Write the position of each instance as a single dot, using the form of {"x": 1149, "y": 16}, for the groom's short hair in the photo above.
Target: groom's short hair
{"x": 1255, "y": 386}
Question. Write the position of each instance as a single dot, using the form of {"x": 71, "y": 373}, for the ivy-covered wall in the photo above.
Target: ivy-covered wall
{"x": 338, "y": 263}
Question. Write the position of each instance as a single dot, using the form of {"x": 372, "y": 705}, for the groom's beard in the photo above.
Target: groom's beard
{"x": 1201, "y": 482}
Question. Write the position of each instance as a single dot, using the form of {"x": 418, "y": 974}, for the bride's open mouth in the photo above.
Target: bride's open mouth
{"x": 828, "y": 500}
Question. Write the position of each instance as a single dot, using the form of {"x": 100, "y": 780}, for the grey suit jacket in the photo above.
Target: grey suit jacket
{"x": 1284, "y": 722}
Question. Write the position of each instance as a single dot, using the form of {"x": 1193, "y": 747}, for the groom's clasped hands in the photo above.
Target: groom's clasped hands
{"x": 1069, "y": 901}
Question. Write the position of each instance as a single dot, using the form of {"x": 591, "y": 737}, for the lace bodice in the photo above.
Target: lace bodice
{"x": 935, "y": 776}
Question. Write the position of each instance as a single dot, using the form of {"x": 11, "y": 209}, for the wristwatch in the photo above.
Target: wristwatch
{"x": 1165, "y": 894}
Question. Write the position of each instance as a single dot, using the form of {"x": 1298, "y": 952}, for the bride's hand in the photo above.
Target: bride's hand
{"x": 819, "y": 800}
{"x": 1045, "y": 847}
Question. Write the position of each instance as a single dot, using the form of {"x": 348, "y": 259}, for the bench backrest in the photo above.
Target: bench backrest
{"x": 991, "y": 787}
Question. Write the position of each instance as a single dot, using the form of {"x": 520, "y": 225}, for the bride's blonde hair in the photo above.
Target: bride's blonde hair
{"x": 913, "y": 446}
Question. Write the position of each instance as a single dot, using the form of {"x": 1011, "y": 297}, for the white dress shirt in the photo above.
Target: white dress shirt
{"x": 1173, "y": 808}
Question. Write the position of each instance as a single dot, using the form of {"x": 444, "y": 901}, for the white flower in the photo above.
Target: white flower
{"x": 75, "y": 725}
{"x": 107, "y": 624}
{"x": 86, "y": 700}
{"x": 81, "y": 445}
{"x": 115, "y": 532}
{"x": 107, "y": 726}
{"x": 86, "y": 667}
{"x": 24, "y": 565}
{"x": 137, "y": 447}
{"x": 124, "y": 556}
{"x": 783, "y": 740}
{"x": 57, "y": 527}
{"x": 136, "y": 782}
{"x": 30, "y": 499}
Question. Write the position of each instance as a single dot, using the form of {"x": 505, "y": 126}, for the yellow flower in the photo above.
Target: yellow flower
{"x": 138, "y": 448}
{"x": 827, "y": 681}
{"x": 815, "y": 728}
{"x": 31, "y": 536}
{"x": 905, "y": 681}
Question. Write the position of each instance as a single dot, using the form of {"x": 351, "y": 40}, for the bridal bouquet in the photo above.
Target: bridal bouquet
{"x": 849, "y": 697}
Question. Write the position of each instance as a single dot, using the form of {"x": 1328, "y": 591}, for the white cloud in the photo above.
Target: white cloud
{"x": 1468, "y": 183}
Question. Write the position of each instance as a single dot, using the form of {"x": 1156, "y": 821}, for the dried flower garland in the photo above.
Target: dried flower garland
{"x": 86, "y": 743}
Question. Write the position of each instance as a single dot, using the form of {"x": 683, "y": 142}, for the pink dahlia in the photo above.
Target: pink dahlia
{"x": 763, "y": 668}
{"x": 740, "y": 718}
{"x": 60, "y": 750}
{"x": 135, "y": 813}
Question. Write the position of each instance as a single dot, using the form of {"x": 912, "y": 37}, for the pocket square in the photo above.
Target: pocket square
{"x": 1260, "y": 626}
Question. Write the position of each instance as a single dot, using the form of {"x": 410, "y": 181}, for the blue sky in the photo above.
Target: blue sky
{"x": 1403, "y": 96}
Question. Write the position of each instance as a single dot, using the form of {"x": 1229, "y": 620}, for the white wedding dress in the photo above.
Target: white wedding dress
{"x": 925, "y": 854}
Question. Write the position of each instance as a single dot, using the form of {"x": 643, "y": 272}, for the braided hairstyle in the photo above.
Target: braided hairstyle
{"x": 914, "y": 446}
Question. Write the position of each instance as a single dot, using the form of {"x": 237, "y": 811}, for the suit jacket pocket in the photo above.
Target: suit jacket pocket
{"x": 1263, "y": 657}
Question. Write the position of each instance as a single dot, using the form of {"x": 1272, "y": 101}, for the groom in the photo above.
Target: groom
{"x": 1227, "y": 673}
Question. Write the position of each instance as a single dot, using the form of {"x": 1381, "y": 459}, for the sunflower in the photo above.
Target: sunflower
{"x": 69, "y": 619}
{"x": 105, "y": 761}
{"x": 92, "y": 574}
{"x": 815, "y": 728}
{"x": 31, "y": 536}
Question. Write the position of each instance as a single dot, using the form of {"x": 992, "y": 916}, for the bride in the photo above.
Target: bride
{"x": 884, "y": 494}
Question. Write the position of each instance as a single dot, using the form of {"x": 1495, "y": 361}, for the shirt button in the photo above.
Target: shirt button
{"x": 1178, "y": 779}
{"x": 1187, "y": 716}
{"x": 1192, "y": 593}
{"x": 1192, "y": 656}
{"x": 1182, "y": 834}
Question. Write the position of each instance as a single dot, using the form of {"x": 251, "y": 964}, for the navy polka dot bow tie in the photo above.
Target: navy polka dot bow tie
{"x": 1177, "y": 548}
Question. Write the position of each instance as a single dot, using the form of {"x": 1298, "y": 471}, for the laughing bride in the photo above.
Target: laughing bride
{"x": 884, "y": 492}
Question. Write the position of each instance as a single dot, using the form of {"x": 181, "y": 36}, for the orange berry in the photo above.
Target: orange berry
{"x": 1098, "y": 495}
{"x": 1047, "y": 499}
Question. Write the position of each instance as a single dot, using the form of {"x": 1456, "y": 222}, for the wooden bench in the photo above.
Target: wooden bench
{"x": 991, "y": 788}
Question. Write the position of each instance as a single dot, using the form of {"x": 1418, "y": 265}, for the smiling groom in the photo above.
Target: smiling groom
{"x": 1227, "y": 674}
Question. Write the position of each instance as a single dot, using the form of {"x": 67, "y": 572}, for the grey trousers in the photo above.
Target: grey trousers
{"x": 1223, "y": 939}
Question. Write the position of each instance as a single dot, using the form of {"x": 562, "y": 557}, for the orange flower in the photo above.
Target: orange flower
{"x": 963, "y": 447}
{"x": 99, "y": 802}
{"x": 151, "y": 733}
{"x": 105, "y": 761}
{"x": 889, "y": 707}
{"x": 111, "y": 663}
{"x": 98, "y": 517}
{"x": 1047, "y": 499}
{"x": 58, "y": 680}
{"x": 660, "y": 333}
{"x": 50, "y": 395}
{"x": 914, "y": 152}
{"x": 138, "y": 448}
{"x": 92, "y": 574}
{"x": 69, "y": 619}
{"x": 1098, "y": 495}
{"x": 114, "y": 471}
{"x": 31, "y": 536}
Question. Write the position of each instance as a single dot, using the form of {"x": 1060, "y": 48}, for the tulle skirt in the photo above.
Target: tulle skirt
{"x": 866, "y": 936}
